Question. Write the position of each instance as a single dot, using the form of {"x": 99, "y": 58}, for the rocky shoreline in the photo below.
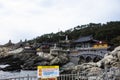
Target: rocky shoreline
{"x": 110, "y": 60}
{"x": 19, "y": 59}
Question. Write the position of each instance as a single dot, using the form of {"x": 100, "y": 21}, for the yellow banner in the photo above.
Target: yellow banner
{"x": 40, "y": 67}
{"x": 48, "y": 79}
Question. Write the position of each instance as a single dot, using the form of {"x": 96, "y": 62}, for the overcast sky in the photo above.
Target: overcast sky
{"x": 27, "y": 19}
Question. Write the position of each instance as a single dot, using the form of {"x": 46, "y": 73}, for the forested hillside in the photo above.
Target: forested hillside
{"x": 109, "y": 32}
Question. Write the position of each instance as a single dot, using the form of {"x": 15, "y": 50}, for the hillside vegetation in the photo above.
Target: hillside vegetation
{"x": 109, "y": 32}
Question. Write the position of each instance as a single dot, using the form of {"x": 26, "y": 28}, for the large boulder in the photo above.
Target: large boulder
{"x": 43, "y": 63}
{"x": 4, "y": 51}
{"x": 118, "y": 56}
{"x": 117, "y": 49}
{"x": 94, "y": 71}
{"x": 63, "y": 59}
{"x": 19, "y": 50}
{"x": 116, "y": 52}
{"x": 25, "y": 56}
{"x": 13, "y": 67}
{"x": 67, "y": 68}
{"x": 69, "y": 65}
{"x": 108, "y": 60}
{"x": 54, "y": 53}
{"x": 84, "y": 66}
{"x": 112, "y": 59}
{"x": 60, "y": 59}
{"x": 48, "y": 57}
{"x": 55, "y": 61}
{"x": 33, "y": 62}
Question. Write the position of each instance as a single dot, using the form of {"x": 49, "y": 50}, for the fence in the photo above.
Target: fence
{"x": 61, "y": 77}
{"x": 111, "y": 74}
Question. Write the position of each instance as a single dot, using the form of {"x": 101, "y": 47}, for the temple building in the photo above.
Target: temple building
{"x": 87, "y": 42}
{"x": 88, "y": 49}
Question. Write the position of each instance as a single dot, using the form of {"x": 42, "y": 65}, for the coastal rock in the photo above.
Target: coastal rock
{"x": 48, "y": 57}
{"x": 4, "y": 51}
{"x": 117, "y": 49}
{"x": 55, "y": 61}
{"x": 42, "y": 63}
{"x": 61, "y": 59}
{"x": 69, "y": 65}
{"x": 54, "y": 53}
{"x": 30, "y": 60}
{"x": 84, "y": 66}
{"x": 94, "y": 71}
{"x": 12, "y": 68}
{"x": 118, "y": 56}
{"x": 67, "y": 68}
{"x": 6, "y": 60}
{"x": 24, "y": 56}
{"x": 110, "y": 60}
{"x": 19, "y": 50}
{"x": 116, "y": 52}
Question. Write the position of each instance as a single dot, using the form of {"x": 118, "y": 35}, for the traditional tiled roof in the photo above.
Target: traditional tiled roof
{"x": 85, "y": 39}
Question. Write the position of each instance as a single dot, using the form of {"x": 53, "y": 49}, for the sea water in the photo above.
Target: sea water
{"x": 4, "y": 75}
{"x": 22, "y": 73}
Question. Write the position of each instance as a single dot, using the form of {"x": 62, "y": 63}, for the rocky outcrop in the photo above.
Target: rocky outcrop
{"x": 60, "y": 59}
{"x": 19, "y": 50}
{"x": 4, "y": 51}
{"x": 55, "y": 58}
{"x": 20, "y": 59}
{"x": 107, "y": 68}
{"x": 111, "y": 60}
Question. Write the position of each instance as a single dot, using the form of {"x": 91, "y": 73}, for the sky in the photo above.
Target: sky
{"x": 27, "y": 19}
